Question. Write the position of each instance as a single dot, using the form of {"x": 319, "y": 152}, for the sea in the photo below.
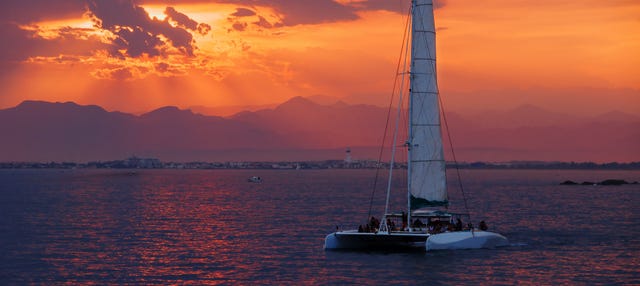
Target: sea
{"x": 213, "y": 227}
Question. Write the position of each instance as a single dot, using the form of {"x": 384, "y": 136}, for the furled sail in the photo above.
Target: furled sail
{"x": 426, "y": 156}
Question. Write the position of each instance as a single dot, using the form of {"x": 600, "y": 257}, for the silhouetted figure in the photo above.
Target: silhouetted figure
{"x": 374, "y": 224}
{"x": 458, "y": 225}
{"x": 404, "y": 220}
{"x": 391, "y": 225}
{"x": 483, "y": 225}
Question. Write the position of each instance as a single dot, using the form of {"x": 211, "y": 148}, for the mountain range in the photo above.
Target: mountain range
{"x": 302, "y": 129}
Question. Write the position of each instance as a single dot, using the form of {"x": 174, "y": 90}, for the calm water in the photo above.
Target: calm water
{"x": 213, "y": 227}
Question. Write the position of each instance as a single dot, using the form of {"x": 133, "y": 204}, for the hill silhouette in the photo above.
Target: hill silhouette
{"x": 301, "y": 129}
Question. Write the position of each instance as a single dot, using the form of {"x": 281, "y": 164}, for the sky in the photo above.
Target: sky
{"x": 579, "y": 56}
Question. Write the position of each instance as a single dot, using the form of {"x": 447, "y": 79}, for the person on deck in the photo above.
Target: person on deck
{"x": 483, "y": 225}
{"x": 391, "y": 225}
{"x": 404, "y": 220}
{"x": 374, "y": 224}
{"x": 458, "y": 225}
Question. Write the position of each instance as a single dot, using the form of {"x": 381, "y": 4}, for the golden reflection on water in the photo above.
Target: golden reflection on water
{"x": 142, "y": 225}
{"x": 212, "y": 227}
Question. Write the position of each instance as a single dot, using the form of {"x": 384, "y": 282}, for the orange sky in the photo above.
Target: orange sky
{"x": 579, "y": 55}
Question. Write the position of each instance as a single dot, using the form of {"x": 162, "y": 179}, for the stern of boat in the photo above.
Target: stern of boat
{"x": 465, "y": 240}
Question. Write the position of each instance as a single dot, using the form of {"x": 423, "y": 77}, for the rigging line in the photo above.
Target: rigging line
{"x": 455, "y": 161}
{"x": 386, "y": 125}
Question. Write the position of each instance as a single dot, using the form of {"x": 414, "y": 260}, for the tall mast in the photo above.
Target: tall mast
{"x": 409, "y": 131}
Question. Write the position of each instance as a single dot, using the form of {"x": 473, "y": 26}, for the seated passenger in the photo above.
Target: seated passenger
{"x": 483, "y": 225}
{"x": 458, "y": 225}
{"x": 418, "y": 223}
{"x": 391, "y": 225}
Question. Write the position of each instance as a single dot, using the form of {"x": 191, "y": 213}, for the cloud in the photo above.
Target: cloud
{"x": 30, "y": 11}
{"x": 296, "y": 12}
{"x": 203, "y": 28}
{"x": 22, "y": 43}
{"x": 61, "y": 59}
{"x": 243, "y": 12}
{"x": 394, "y": 6}
{"x": 243, "y": 17}
{"x": 308, "y": 12}
{"x": 262, "y": 22}
{"x": 168, "y": 70}
{"x": 121, "y": 73}
{"x": 181, "y": 19}
{"x": 136, "y": 33}
{"x": 239, "y": 26}
{"x": 18, "y": 44}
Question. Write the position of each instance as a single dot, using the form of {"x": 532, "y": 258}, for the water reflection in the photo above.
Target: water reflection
{"x": 212, "y": 227}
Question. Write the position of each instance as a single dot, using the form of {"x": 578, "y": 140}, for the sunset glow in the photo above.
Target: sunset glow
{"x": 235, "y": 54}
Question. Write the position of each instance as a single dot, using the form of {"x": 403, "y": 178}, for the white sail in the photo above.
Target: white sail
{"x": 426, "y": 156}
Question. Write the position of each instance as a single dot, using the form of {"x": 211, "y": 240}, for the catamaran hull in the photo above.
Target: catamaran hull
{"x": 465, "y": 240}
{"x": 345, "y": 240}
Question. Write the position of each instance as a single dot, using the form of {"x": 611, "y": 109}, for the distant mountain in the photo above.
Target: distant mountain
{"x": 45, "y": 131}
{"x": 324, "y": 99}
{"x": 225, "y": 111}
{"x": 525, "y": 133}
{"x": 42, "y": 131}
{"x": 230, "y": 110}
{"x": 617, "y": 116}
{"x": 302, "y": 129}
{"x": 522, "y": 116}
{"x": 312, "y": 125}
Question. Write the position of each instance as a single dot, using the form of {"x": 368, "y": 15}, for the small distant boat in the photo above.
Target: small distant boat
{"x": 421, "y": 226}
{"x": 255, "y": 179}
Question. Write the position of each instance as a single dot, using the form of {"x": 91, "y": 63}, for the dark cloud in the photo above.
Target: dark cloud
{"x": 121, "y": 74}
{"x": 17, "y": 44}
{"x": 165, "y": 69}
{"x": 239, "y": 26}
{"x": 162, "y": 67}
{"x": 30, "y": 11}
{"x": 312, "y": 11}
{"x": 137, "y": 34}
{"x": 394, "y": 6}
{"x": 181, "y": 19}
{"x": 298, "y": 12}
{"x": 203, "y": 28}
{"x": 262, "y": 22}
{"x": 243, "y": 12}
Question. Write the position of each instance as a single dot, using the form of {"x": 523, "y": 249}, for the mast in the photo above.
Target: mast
{"x": 409, "y": 131}
{"x": 426, "y": 164}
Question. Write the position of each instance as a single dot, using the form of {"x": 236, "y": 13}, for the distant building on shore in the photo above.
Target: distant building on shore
{"x": 347, "y": 157}
{"x": 143, "y": 163}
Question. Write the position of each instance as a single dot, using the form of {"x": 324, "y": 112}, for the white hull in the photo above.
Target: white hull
{"x": 352, "y": 239}
{"x": 465, "y": 240}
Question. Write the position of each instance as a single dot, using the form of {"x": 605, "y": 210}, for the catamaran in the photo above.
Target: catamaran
{"x": 421, "y": 226}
